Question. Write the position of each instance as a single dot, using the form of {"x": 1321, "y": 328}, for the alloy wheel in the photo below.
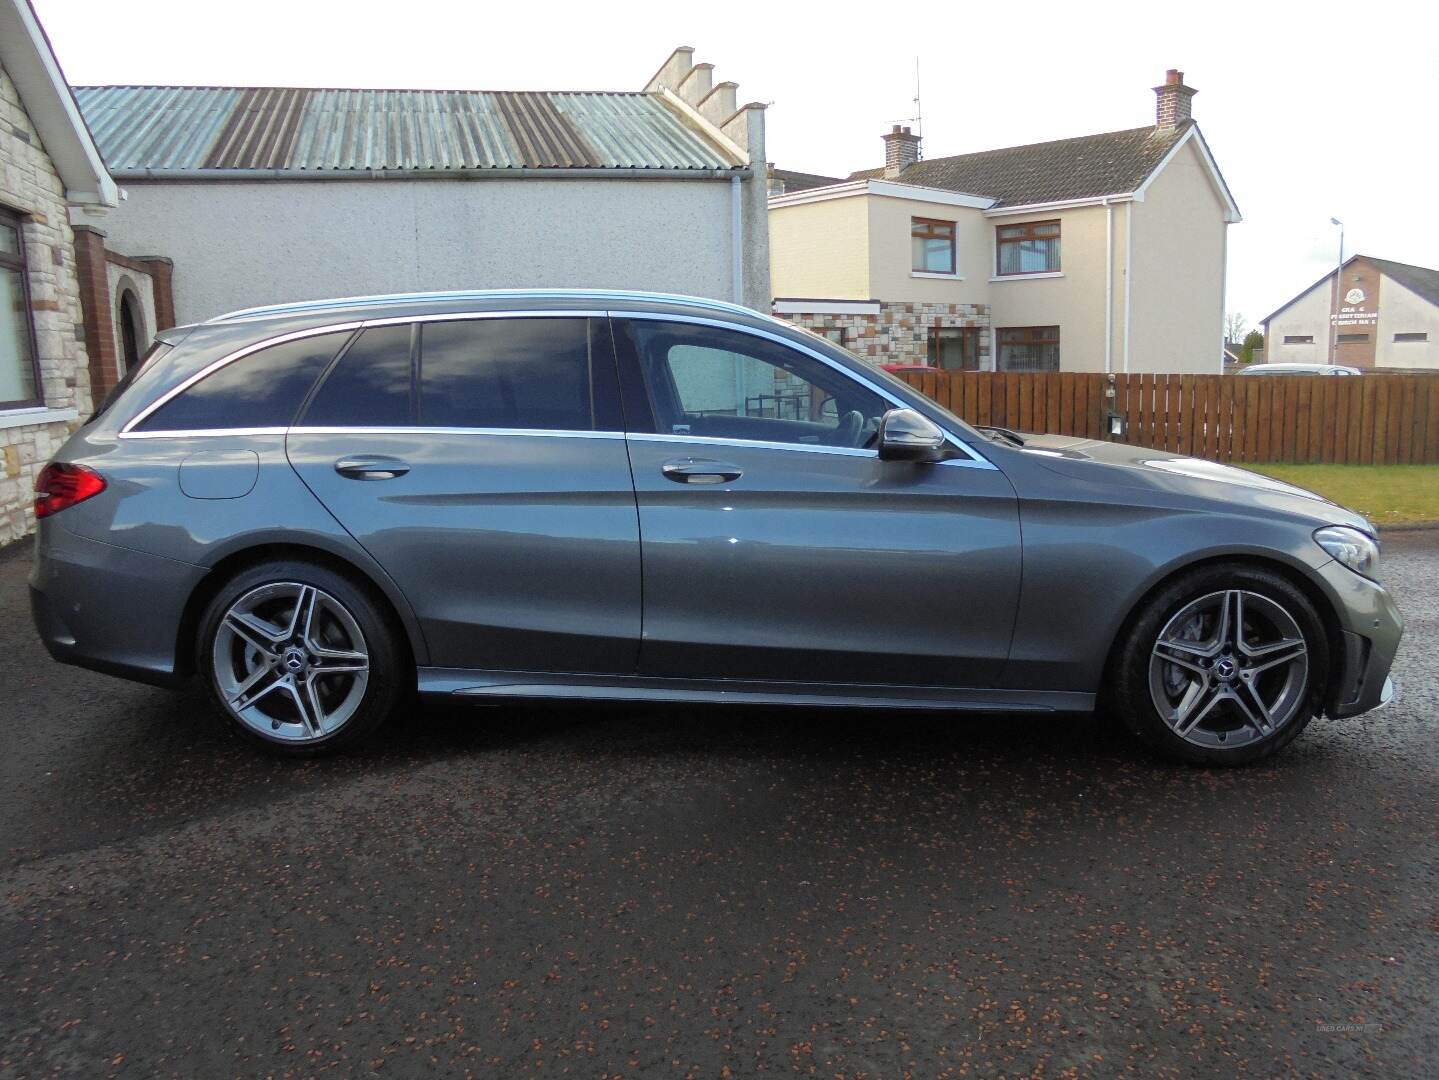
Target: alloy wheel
{"x": 1229, "y": 669}
{"x": 290, "y": 662}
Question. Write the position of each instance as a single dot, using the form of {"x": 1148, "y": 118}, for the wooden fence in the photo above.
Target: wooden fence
{"x": 1370, "y": 420}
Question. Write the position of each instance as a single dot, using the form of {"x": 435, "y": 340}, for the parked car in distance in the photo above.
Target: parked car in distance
{"x": 321, "y": 508}
{"x": 1299, "y": 369}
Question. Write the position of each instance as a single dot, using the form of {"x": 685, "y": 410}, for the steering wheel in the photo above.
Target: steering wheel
{"x": 848, "y": 431}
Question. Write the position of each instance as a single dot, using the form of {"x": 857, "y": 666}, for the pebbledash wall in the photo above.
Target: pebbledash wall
{"x": 30, "y": 186}
{"x": 888, "y": 332}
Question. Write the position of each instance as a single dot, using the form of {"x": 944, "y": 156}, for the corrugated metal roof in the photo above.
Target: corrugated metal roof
{"x": 155, "y": 129}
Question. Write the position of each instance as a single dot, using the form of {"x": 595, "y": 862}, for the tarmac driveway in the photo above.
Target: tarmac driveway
{"x": 604, "y": 891}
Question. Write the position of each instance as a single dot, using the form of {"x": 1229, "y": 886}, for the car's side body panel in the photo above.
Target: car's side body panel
{"x": 488, "y": 686}
{"x": 142, "y": 509}
{"x": 824, "y": 566}
{"x": 110, "y": 608}
{"x": 515, "y": 550}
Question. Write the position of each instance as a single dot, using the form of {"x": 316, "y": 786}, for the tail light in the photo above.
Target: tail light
{"x": 61, "y": 485}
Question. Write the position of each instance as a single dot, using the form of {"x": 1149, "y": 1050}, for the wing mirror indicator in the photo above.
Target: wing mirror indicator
{"x": 905, "y": 435}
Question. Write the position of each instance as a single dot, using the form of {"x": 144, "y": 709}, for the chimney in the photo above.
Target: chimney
{"x": 901, "y": 150}
{"x": 1172, "y": 108}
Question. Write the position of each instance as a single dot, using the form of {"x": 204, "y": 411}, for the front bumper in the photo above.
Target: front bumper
{"x": 1370, "y": 630}
{"x": 107, "y": 607}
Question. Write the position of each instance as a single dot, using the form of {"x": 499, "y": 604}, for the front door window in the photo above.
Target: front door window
{"x": 725, "y": 384}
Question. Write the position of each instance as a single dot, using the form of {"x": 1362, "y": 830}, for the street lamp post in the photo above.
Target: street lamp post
{"x": 1338, "y": 284}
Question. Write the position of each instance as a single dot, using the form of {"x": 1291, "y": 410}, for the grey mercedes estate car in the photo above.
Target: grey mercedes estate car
{"x": 322, "y": 508}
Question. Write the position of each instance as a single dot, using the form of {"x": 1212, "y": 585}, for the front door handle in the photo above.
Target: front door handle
{"x": 371, "y": 467}
{"x": 700, "y": 471}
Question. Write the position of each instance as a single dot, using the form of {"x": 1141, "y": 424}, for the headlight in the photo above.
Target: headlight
{"x": 1351, "y": 547}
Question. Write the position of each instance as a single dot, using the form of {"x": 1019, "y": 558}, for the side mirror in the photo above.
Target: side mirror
{"x": 905, "y": 435}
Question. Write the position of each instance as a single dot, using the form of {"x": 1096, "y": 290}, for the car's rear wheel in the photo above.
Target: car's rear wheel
{"x": 300, "y": 659}
{"x": 1223, "y": 666}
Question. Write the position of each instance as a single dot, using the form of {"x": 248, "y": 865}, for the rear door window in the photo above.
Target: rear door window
{"x": 370, "y": 385}
{"x": 526, "y": 373}
{"x": 261, "y": 390}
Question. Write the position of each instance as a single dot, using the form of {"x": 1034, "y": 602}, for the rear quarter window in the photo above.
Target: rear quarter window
{"x": 263, "y": 389}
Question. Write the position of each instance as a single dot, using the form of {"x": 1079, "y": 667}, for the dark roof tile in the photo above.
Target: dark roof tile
{"x": 1090, "y": 166}
{"x": 802, "y": 181}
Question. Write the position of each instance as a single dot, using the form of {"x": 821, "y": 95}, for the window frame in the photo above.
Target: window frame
{"x": 1410, "y": 336}
{"x": 135, "y": 427}
{"x": 1000, "y": 242}
{"x": 20, "y": 264}
{"x": 605, "y": 389}
{"x": 968, "y": 334}
{"x": 1032, "y": 340}
{"x": 1351, "y": 339}
{"x": 915, "y": 226}
{"x": 627, "y": 390}
{"x": 127, "y": 430}
{"x": 1298, "y": 339}
{"x": 640, "y": 422}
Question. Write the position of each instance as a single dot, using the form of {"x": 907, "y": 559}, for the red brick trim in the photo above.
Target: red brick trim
{"x": 162, "y": 274}
{"x": 128, "y": 263}
{"x": 95, "y": 310}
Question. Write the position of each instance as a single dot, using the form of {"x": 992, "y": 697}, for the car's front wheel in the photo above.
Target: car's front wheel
{"x": 300, "y": 659}
{"x": 1223, "y": 666}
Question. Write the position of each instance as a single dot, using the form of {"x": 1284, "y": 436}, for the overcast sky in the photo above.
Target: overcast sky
{"x": 1313, "y": 110}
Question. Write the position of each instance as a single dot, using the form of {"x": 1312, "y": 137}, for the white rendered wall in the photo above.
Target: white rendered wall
{"x": 240, "y": 244}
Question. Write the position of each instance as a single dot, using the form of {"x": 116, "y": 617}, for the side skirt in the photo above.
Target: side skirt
{"x": 460, "y": 684}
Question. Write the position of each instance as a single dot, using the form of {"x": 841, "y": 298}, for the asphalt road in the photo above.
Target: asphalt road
{"x": 606, "y": 892}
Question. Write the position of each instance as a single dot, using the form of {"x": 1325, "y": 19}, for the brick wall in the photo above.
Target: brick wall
{"x": 30, "y": 186}
{"x": 899, "y": 334}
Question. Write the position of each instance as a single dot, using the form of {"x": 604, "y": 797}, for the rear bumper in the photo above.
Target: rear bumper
{"x": 109, "y": 608}
{"x": 1371, "y": 628}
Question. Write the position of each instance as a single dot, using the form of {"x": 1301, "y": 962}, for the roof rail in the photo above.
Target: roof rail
{"x": 272, "y": 310}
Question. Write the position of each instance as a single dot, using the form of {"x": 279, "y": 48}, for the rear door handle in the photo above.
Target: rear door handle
{"x": 371, "y": 467}
{"x": 700, "y": 471}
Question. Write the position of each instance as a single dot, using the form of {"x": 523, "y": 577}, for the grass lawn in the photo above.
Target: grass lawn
{"x": 1385, "y": 494}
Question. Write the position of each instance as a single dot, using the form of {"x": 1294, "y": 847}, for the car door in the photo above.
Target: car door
{"x": 777, "y": 546}
{"x": 480, "y": 461}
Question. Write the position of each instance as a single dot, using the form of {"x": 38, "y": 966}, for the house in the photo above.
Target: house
{"x": 266, "y": 194}
{"x": 1369, "y": 313}
{"x": 50, "y": 173}
{"x": 787, "y": 180}
{"x": 1098, "y": 253}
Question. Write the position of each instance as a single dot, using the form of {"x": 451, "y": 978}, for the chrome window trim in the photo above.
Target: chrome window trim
{"x": 230, "y": 358}
{"x": 755, "y": 444}
{"x": 201, "y": 433}
{"x": 973, "y": 459}
{"x": 539, "y": 433}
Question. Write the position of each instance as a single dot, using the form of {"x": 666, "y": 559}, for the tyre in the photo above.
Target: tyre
{"x": 300, "y": 659}
{"x": 1223, "y": 666}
